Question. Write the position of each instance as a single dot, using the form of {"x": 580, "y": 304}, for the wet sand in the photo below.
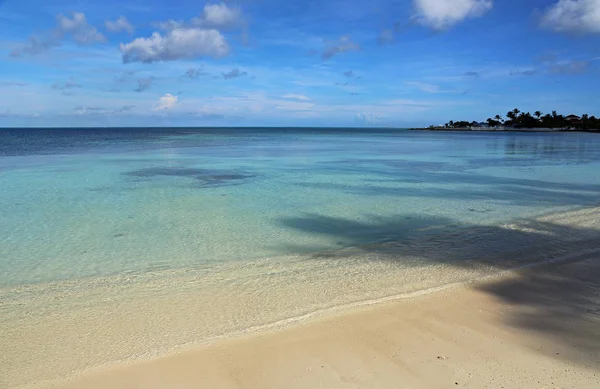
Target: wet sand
{"x": 535, "y": 328}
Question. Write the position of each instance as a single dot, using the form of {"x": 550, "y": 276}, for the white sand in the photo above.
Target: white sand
{"x": 538, "y": 328}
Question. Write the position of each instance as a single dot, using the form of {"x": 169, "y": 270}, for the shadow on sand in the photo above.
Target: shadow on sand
{"x": 555, "y": 301}
{"x": 560, "y": 302}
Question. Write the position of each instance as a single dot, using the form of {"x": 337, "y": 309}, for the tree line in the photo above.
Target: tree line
{"x": 518, "y": 119}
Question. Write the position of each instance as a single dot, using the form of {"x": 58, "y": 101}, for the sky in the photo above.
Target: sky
{"x": 294, "y": 63}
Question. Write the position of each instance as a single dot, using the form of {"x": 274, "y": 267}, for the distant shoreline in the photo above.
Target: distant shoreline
{"x": 483, "y": 129}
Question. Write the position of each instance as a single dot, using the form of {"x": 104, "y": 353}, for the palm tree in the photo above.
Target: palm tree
{"x": 451, "y": 123}
{"x": 491, "y": 122}
{"x": 511, "y": 115}
{"x": 537, "y": 114}
{"x": 516, "y": 111}
{"x": 554, "y": 114}
{"x": 498, "y": 118}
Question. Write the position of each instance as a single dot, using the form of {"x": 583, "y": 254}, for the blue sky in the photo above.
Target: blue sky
{"x": 294, "y": 63}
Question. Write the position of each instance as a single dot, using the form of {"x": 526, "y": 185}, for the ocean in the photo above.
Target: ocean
{"x": 128, "y": 243}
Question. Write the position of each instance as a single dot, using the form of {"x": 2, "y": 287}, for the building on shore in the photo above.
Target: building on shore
{"x": 573, "y": 119}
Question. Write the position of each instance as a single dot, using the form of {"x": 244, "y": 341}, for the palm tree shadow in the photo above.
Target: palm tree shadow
{"x": 560, "y": 303}
{"x": 557, "y": 303}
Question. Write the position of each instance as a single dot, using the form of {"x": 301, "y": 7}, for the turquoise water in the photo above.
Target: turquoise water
{"x": 124, "y": 244}
{"x": 83, "y": 203}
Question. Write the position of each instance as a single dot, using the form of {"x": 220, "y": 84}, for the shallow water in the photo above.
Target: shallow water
{"x": 135, "y": 241}
{"x": 80, "y": 203}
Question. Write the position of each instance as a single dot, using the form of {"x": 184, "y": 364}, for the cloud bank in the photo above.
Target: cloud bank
{"x": 200, "y": 37}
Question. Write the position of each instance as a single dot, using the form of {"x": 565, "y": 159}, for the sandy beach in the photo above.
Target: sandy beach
{"x": 299, "y": 194}
{"x": 535, "y": 328}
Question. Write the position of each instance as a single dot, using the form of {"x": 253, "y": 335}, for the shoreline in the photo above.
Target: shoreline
{"x": 290, "y": 340}
{"x": 178, "y": 311}
{"x": 483, "y": 129}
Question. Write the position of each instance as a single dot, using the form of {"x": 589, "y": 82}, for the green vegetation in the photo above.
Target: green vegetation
{"x": 518, "y": 119}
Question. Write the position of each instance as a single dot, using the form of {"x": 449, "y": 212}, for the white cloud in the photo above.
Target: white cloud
{"x": 78, "y": 27}
{"x": 200, "y": 37}
{"x": 573, "y": 16}
{"x": 166, "y": 102}
{"x": 442, "y": 14}
{"x": 293, "y": 96}
{"x": 121, "y": 24}
{"x": 181, "y": 43}
{"x": 219, "y": 16}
